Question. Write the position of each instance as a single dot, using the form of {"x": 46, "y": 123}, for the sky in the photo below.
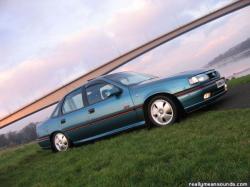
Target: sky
{"x": 46, "y": 44}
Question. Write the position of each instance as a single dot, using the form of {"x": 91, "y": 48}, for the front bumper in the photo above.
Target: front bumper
{"x": 193, "y": 99}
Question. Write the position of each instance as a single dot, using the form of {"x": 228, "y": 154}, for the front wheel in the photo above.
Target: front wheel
{"x": 60, "y": 142}
{"x": 162, "y": 111}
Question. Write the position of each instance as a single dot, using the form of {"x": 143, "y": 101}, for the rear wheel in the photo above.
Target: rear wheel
{"x": 162, "y": 111}
{"x": 60, "y": 142}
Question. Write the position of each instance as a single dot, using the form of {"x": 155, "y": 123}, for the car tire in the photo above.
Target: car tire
{"x": 162, "y": 111}
{"x": 60, "y": 142}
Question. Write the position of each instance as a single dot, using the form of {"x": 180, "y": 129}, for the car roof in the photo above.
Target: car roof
{"x": 99, "y": 78}
{"x": 109, "y": 75}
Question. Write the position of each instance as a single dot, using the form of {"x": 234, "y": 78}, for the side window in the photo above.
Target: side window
{"x": 98, "y": 92}
{"x": 73, "y": 102}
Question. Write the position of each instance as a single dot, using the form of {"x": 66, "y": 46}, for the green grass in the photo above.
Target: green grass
{"x": 238, "y": 81}
{"x": 207, "y": 146}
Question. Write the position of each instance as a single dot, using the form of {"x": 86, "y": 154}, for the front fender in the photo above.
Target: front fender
{"x": 141, "y": 93}
{"x": 155, "y": 92}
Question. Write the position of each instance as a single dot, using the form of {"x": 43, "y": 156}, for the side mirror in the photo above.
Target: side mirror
{"x": 113, "y": 92}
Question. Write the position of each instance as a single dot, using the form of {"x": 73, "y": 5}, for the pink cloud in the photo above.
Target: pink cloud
{"x": 194, "y": 49}
{"x": 70, "y": 58}
{"x": 85, "y": 49}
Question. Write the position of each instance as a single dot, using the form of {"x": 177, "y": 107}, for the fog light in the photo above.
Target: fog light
{"x": 207, "y": 95}
{"x": 225, "y": 86}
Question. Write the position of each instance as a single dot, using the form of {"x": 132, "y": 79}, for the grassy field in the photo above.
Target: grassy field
{"x": 206, "y": 146}
{"x": 241, "y": 80}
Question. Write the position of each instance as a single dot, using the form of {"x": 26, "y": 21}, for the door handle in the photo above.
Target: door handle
{"x": 63, "y": 121}
{"x": 92, "y": 110}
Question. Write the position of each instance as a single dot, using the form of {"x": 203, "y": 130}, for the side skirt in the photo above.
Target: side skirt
{"x": 141, "y": 123}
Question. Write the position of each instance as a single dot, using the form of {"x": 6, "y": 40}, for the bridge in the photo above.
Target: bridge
{"x": 55, "y": 96}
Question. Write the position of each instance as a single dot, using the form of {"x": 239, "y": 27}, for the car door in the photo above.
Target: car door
{"x": 74, "y": 115}
{"x": 109, "y": 112}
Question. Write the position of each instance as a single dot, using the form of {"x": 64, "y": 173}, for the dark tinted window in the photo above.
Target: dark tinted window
{"x": 73, "y": 101}
{"x": 97, "y": 92}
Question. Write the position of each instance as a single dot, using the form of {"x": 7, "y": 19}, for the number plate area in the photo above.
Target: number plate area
{"x": 220, "y": 83}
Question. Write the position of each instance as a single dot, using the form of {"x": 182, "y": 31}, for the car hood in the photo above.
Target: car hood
{"x": 184, "y": 74}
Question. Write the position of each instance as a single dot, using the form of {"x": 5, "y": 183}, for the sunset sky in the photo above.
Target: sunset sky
{"x": 45, "y": 44}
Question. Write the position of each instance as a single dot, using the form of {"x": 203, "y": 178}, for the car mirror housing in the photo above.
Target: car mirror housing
{"x": 114, "y": 92}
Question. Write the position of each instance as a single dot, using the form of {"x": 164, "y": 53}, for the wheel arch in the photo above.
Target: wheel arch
{"x": 52, "y": 134}
{"x": 171, "y": 96}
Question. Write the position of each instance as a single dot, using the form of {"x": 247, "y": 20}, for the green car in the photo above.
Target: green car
{"x": 117, "y": 102}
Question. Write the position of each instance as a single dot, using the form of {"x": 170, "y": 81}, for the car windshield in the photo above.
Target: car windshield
{"x": 130, "y": 78}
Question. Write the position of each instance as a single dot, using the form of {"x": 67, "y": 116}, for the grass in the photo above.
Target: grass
{"x": 238, "y": 81}
{"x": 207, "y": 146}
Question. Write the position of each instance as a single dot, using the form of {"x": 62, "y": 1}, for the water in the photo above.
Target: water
{"x": 237, "y": 68}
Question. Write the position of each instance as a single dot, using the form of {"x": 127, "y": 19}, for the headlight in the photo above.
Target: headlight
{"x": 198, "y": 78}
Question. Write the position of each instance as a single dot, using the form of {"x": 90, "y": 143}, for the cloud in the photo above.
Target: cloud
{"x": 206, "y": 7}
{"x": 196, "y": 48}
{"x": 55, "y": 42}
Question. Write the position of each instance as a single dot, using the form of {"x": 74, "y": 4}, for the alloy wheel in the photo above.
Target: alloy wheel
{"x": 162, "y": 112}
{"x": 61, "y": 142}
